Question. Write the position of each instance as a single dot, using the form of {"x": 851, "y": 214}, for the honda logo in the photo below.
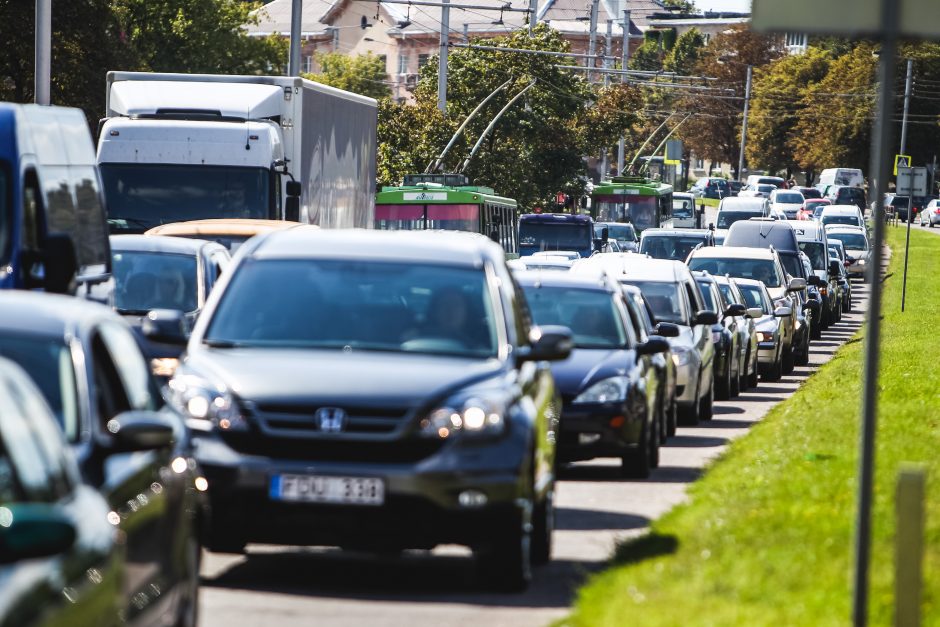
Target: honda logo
{"x": 330, "y": 419}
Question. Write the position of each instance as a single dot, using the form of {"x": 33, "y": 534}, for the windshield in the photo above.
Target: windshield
{"x": 792, "y": 264}
{"x": 638, "y": 210}
{"x": 619, "y": 232}
{"x": 790, "y": 199}
{"x": 49, "y": 363}
{"x": 561, "y": 236}
{"x": 852, "y": 241}
{"x": 817, "y": 253}
{"x": 350, "y": 305}
{"x": 850, "y": 220}
{"x": 670, "y": 247}
{"x": 145, "y": 281}
{"x": 437, "y": 217}
{"x": 754, "y": 297}
{"x": 727, "y": 292}
{"x": 897, "y": 201}
{"x": 141, "y": 196}
{"x": 727, "y": 218}
{"x": 682, "y": 207}
{"x": 591, "y": 315}
{"x": 705, "y": 288}
{"x": 760, "y": 269}
{"x": 664, "y": 299}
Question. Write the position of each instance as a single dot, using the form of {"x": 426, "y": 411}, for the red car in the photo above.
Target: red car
{"x": 810, "y": 207}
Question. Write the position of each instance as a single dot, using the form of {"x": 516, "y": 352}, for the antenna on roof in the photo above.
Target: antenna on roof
{"x": 405, "y": 23}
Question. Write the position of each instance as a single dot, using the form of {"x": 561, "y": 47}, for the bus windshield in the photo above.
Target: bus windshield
{"x": 639, "y": 210}
{"x": 560, "y": 236}
{"x": 419, "y": 217}
{"x": 141, "y": 196}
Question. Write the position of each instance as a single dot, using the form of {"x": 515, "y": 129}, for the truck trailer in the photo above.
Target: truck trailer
{"x": 179, "y": 147}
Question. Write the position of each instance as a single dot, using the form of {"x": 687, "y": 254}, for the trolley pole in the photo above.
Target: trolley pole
{"x": 442, "y": 61}
{"x": 747, "y": 102}
{"x": 43, "y": 79}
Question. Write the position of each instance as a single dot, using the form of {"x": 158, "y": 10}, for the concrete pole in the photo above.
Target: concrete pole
{"x": 624, "y": 59}
{"x": 42, "y": 91}
{"x": 296, "y": 16}
{"x": 442, "y": 61}
{"x": 910, "y": 198}
{"x": 747, "y": 104}
{"x": 907, "y": 103}
{"x": 592, "y": 39}
{"x": 533, "y": 16}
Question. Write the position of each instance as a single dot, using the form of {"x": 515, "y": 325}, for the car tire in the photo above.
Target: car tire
{"x": 802, "y": 358}
{"x": 706, "y": 411}
{"x": 723, "y": 384}
{"x": 187, "y": 608}
{"x": 673, "y": 422}
{"x": 225, "y": 544}
{"x": 754, "y": 376}
{"x": 637, "y": 463}
{"x": 788, "y": 359}
{"x": 543, "y": 527}
{"x": 655, "y": 443}
{"x": 690, "y": 416}
{"x": 505, "y": 563}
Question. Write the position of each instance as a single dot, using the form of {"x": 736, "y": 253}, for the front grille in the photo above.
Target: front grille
{"x": 299, "y": 419}
{"x": 335, "y": 449}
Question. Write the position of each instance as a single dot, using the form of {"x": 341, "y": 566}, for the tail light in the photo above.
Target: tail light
{"x": 937, "y": 211}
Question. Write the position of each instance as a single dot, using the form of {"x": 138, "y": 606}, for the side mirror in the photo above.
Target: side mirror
{"x": 652, "y": 346}
{"x": 293, "y": 189}
{"x": 33, "y": 530}
{"x": 140, "y": 431}
{"x": 548, "y": 343}
{"x": 755, "y": 312}
{"x": 60, "y": 264}
{"x": 292, "y": 208}
{"x": 705, "y": 317}
{"x": 167, "y": 326}
{"x": 667, "y": 329}
{"x": 796, "y": 284}
{"x": 735, "y": 309}
{"x": 783, "y": 312}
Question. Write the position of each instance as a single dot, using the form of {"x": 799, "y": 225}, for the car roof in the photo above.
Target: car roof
{"x": 443, "y": 247}
{"x": 685, "y": 195}
{"x": 638, "y": 267}
{"x": 161, "y": 244}
{"x": 599, "y": 281}
{"x": 676, "y": 232}
{"x": 47, "y": 314}
{"x": 809, "y": 231}
{"x": 841, "y": 209}
{"x": 732, "y": 252}
{"x": 845, "y": 228}
{"x": 222, "y": 226}
{"x": 737, "y": 203}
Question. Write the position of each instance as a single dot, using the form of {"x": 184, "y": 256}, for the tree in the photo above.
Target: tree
{"x": 776, "y": 106}
{"x": 713, "y": 132}
{"x": 361, "y": 74}
{"x": 648, "y": 56}
{"x": 198, "y": 36}
{"x": 409, "y": 138}
{"x": 686, "y": 52}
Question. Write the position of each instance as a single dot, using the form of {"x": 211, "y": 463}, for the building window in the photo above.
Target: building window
{"x": 796, "y": 42}
{"x": 384, "y": 59}
{"x": 423, "y": 60}
{"x": 699, "y": 164}
{"x": 403, "y": 64}
{"x": 308, "y": 64}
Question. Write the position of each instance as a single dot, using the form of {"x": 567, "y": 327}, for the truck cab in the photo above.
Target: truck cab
{"x": 53, "y": 235}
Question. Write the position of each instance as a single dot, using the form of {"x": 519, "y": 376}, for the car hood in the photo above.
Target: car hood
{"x": 586, "y": 365}
{"x": 295, "y": 374}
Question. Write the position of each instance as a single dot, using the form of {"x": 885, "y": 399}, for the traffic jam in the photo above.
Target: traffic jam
{"x": 202, "y": 351}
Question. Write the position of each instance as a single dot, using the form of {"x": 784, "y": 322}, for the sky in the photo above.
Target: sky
{"x": 740, "y": 6}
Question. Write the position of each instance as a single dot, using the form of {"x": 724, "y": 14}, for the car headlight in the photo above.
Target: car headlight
{"x": 474, "y": 416}
{"x": 205, "y": 405}
{"x": 681, "y": 355}
{"x": 613, "y": 389}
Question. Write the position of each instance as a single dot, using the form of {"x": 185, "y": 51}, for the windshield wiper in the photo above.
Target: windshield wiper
{"x": 132, "y": 312}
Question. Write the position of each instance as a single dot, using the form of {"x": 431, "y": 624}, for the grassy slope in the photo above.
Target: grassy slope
{"x": 767, "y": 537}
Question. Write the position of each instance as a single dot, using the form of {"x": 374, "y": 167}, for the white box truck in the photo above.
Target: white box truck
{"x": 178, "y": 147}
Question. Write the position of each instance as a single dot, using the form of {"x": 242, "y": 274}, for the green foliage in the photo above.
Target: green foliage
{"x": 361, "y": 74}
{"x": 776, "y": 107}
{"x": 767, "y": 536}
{"x": 647, "y": 57}
{"x": 682, "y": 5}
{"x": 686, "y": 52}
{"x": 409, "y": 138}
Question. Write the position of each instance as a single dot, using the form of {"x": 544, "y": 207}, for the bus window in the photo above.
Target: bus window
{"x": 454, "y": 217}
{"x": 399, "y": 217}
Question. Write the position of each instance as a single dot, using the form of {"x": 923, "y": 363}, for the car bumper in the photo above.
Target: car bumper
{"x": 598, "y": 430}
{"x": 421, "y": 505}
{"x": 766, "y": 353}
{"x": 686, "y": 377}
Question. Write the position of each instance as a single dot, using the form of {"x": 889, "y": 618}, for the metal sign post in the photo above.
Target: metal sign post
{"x": 911, "y": 182}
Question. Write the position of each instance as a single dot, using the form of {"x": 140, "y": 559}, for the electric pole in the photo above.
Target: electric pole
{"x": 907, "y": 103}
{"x": 442, "y": 61}
{"x": 592, "y": 38}
{"x": 42, "y": 90}
{"x": 533, "y": 8}
{"x": 747, "y": 103}
{"x": 607, "y": 50}
{"x": 296, "y": 14}
{"x": 624, "y": 59}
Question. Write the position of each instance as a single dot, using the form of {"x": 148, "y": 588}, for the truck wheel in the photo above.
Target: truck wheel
{"x": 505, "y": 563}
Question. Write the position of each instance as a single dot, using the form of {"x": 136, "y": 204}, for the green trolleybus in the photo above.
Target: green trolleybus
{"x": 643, "y": 202}
{"x": 449, "y": 202}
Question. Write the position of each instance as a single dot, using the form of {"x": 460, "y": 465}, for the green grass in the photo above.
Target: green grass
{"x": 768, "y": 534}
{"x": 708, "y": 202}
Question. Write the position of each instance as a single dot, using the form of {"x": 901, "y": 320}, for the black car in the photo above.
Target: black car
{"x": 675, "y": 244}
{"x": 60, "y": 558}
{"x": 377, "y": 391}
{"x": 129, "y": 445}
{"x": 725, "y": 335}
{"x": 845, "y": 195}
{"x": 609, "y": 387}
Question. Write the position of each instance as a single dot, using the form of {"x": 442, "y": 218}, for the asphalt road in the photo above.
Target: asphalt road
{"x": 282, "y": 586}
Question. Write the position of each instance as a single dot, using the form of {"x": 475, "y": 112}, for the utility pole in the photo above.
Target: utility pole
{"x": 296, "y": 14}
{"x": 747, "y": 104}
{"x": 43, "y": 79}
{"x": 533, "y": 15}
{"x": 442, "y": 60}
{"x": 607, "y": 50}
{"x": 910, "y": 199}
{"x": 592, "y": 38}
{"x": 907, "y": 103}
{"x": 624, "y": 59}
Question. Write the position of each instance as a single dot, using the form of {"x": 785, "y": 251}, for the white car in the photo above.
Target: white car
{"x": 842, "y": 215}
{"x": 571, "y": 255}
{"x": 683, "y": 210}
{"x": 930, "y": 214}
{"x": 787, "y": 201}
{"x": 857, "y": 247}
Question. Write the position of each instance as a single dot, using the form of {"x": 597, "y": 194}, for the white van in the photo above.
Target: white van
{"x": 851, "y": 177}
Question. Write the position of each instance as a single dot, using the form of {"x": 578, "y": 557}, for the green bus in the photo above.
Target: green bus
{"x": 448, "y": 202}
{"x": 643, "y": 202}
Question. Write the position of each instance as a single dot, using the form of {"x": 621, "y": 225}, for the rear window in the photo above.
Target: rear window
{"x": 792, "y": 199}
{"x": 760, "y": 269}
{"x": 591, "y": 315}
{"x": 728, "y": 217}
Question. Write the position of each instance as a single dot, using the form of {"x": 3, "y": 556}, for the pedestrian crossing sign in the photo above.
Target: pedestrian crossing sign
{"x": 901, "y": 161}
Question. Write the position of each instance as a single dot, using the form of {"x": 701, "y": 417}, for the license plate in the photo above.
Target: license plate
{"x": 321, "y": 489}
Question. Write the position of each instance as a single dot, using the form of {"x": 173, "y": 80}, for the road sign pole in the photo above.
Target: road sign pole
{"x": 747, "y": 102}
{"x": 880, "y": 168}
{"x": 910, "y": 198}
